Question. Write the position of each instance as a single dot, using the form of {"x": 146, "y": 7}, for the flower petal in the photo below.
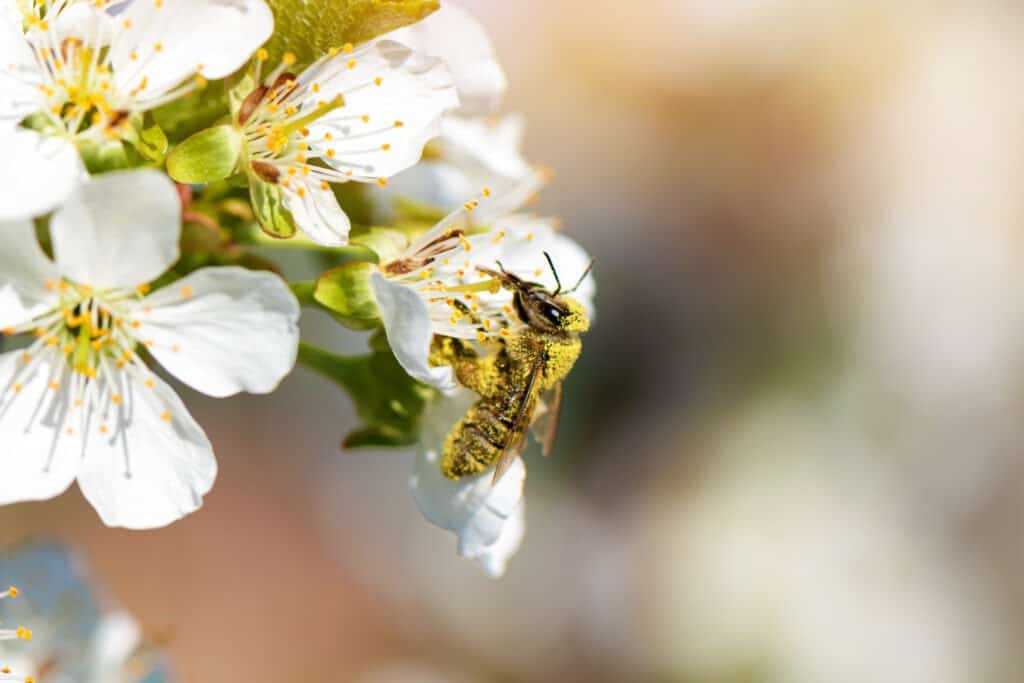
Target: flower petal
{"x": 39, "y": 458}
{"x": 116, "y": 639}
{"x": 410, "y": 331}
{"x": 318, "y": 214}
{"x": 155, "y": 467}
{"x": 394, "y": 101}
{"x": 19, "y": 73}
{"x": 170, "y": 40}
{"x": 223, "y": 330}
{"x": 452, "y": 34}
{"x": 24, "y": 274}
{"x": 486, "y": 519}
{"x": 37, "y": 174}
{"x": 119, "y": 230}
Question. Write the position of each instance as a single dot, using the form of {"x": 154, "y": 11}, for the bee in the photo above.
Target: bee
{"x": 524, "y": 373}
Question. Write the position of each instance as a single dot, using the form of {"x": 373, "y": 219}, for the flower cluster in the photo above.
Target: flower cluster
{"x": 130, "y": 127}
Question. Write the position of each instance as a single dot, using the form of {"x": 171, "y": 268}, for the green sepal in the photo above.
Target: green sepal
{"x": 150, "y": 143}
{"x": 209, "y": 155}
{"x": 239, "y": 87}
{"x": 346, "y": 291}
{"x": 388, "y": 401}
{"x": 308, "y": 29}
{"x": 268, "y": 206}
{"x": 109, "y": 155}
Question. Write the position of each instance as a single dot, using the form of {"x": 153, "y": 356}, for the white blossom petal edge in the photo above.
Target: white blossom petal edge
{"x": 488, "y": 521}
{"x": 79, "y": 402}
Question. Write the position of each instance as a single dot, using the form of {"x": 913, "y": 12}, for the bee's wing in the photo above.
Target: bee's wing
{"x": 545, "y": 427}
{"x": 520, "y": 427}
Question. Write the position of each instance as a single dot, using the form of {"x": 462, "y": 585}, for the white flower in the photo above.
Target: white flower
{"x": 471, "y": 152}
{"x": 452, "y": 34}
{"x": 78, "y": 75}
{"x": 76, "y": 640}
{"x": 474, "y": 150}
{"x": 488, "y": 520}
{"x": 428, "y": 289}
{"x": 357, "y": 114}
{"x": 79, "y": 401}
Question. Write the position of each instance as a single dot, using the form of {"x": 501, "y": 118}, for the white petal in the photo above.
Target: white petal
{"x": 37, "y": 173}
{"x": 24, "y": 273}
{"x": 39, "y": 459}
{"x": 216, "y": 35}
{"x": 85, "y": 22}
{"x": 155, "y": 468}
{"x": 486, "y": 519}
{"x": 223, "y": 330}
{"x": 476, "y": 153}
{"x": 414, "y": 91}
{"x": 494, "y": 560}
{"x": 115, "y": 640}
{"x": 409, "y": 331}
{"x": 19, "y": 74}
{"x": 461, "y": 41}
{"x": 119, "y": 230}
{"x": 318, "y": 214}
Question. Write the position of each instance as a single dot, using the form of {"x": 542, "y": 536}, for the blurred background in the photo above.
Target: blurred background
{"x": 792, "y": 450}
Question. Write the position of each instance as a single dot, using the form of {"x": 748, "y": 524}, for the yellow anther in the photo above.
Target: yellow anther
{"x": 399, "y": 124}
{"x": 348, "y": 47}
{"x": 330, "y": 153}
{"x": 158, "y": 47}
{"x": 386, "y": 147}
{"x": 365, "y": 118}
{"x": 13, "y": 592}
{"x": 289, "y": 59}
{"x": 55, "y": 385}
{"x": 116, "y": 399}
{"x": 382, "y": 181}
{"x": 165, "y": 416}
{"x": 352, "y": 64}
{"x": 186, "y": 292}
{"x": 103, "y": 429}
{"x": 262, "y": 54}
{"x": 378, "y": 80}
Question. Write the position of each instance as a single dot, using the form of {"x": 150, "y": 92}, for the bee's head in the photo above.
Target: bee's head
{"x": 540, "y": 309}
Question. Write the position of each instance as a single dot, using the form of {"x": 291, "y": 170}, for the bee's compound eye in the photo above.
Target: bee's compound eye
{"x": 553, "y": 313}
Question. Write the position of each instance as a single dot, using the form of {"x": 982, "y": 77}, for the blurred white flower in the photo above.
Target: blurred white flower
{"x": 474, "y": 149}
{"x": 77, "y": 640}
{"x": 362, "y": 114}
{"x": 488, "y": 520}
{"x": 435, "y": 286}
{"x": 76, "y": 75}
{"x": 80, "y": 401}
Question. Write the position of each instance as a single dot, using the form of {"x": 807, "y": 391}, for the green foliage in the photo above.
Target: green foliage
{"x": 209, "y": 155}
{"x": 346, "y": 291}
{"x": 389, "y": 402}
{"x": 100, "y": 157}
{"x": 190, "y": 114}
{"x": 309, "y": 28}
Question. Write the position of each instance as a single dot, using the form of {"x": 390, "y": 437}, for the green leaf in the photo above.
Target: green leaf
{"x": 188, "y": 115}
{"x": 310, "y": 28}
{"x": 268, "y": 204}
{"x": 211, "y": 154}
{"x": 346, "y": 291}
{"x": 388, "y": 401}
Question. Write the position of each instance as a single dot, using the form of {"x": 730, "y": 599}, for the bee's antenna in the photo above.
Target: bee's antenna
{"x": 501, "y": 266}
{"x": 582, "y": 277}
{"x": 555, "y": 273}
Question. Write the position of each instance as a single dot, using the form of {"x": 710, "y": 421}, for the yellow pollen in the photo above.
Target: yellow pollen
{"x": 186, "y": 292}
{"x": 330, "y": 154}
{"x": 324, "y": 186}
{"x": 116, "y": 399}
{"x": 18, "y": 388}
{"x": 382, "y": 181}
{"x": 262, "y": 54}
{"x": 399, "y": 124}
{"x": 333, "y": 52}
{"x": 538, "y": 272}
{"x": 26, "y": 357}
{"x": 316, "y": 87}
{"x": 365, "y": 118}
{"x": 378, "y": 80}
{"x": 127, "y": 23}
{"x": 55, "y": 385}
{"x": 289, "y": 59}
{"x": 149, "y": 384}
{"x": 158, "y": 47}
{"x": 165, "y": 416}
{"x": 103, "y": 429}
{"x": 348, "y": 47}
{"x": 13, "y": 592}
{"x": 352, "y": 64}
{"x": 386, "y": 147}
